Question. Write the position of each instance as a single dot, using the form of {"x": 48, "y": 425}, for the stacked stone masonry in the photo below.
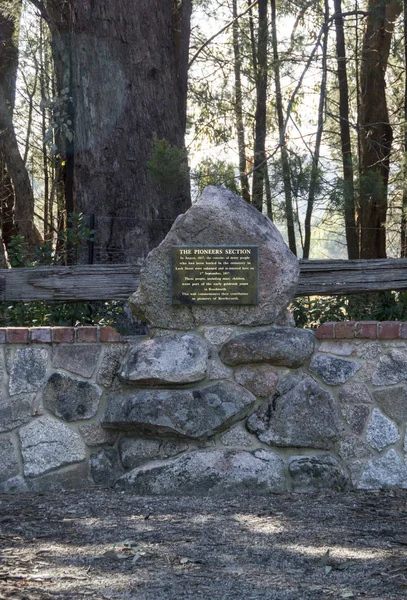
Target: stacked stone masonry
{"x": 209, "y": 411}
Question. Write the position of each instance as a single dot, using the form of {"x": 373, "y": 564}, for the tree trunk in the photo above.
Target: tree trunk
{"x": 24, "y": 199}
{"x": 283, "y": 145}
{"x": 261, "y": 109}
{"x": 375, "y": 130}
{"x": 403, "y": 237}
{"x": 125, "y": 64}
{"x": 315, "y": 159}
{"x": 241, "y": 141}
{"x": 352, "y": 241}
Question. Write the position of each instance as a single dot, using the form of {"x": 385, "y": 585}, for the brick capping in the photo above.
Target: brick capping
{"x": 60, "y": 335}
{"x": 381, "y": 330}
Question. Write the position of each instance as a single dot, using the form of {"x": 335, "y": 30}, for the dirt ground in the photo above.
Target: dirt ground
{"x": 104, "y": 545}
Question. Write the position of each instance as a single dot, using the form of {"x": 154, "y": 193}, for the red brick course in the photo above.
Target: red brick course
{"x": 345, "y": 330}
{"x": 389, "y": 330}
{"x": 17, "y": 335}
{"x": 59, "y": 335}
{"x": 368, "y": 330}
{"x": 87, "y": 335}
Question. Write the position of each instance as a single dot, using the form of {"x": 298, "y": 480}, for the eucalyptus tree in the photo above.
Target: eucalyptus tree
{"x": 121, "y": 75}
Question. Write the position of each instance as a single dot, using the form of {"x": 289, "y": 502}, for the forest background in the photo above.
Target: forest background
{"x": 115, "y": 114}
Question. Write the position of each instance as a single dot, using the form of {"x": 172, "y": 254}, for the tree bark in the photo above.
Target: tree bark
{"x": 375, "y": 130}
{"x": 283, "y": 145}
{"x": 315, "y": 159}
{"x": 23, "y": 219}
{"x": 261, "y": 109}
{"x": 241, "y": 141}
{"x": 125, "y": 65}
{"x": 352, "y": 241}
{"x": 403, "y": 236}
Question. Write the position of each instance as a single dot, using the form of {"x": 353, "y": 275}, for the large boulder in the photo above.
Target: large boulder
{"x": 210, "y": 473}
{"x": 301, "y": 414}
{"x": 47, "y": 445}
{"x": 219, "y": 217}
{"x": 315, "y": 473}
{"x": 195, "y": 414}
{"x": 279, "y": 346}
{"x": 71, "y": 399}
{"x": 171, "y": 359}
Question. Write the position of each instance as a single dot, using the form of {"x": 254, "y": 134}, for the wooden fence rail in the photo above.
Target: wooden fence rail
{"x": 118, "y": 282}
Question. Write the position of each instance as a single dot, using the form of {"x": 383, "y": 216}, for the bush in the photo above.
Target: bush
{"x": 369, "y": 306}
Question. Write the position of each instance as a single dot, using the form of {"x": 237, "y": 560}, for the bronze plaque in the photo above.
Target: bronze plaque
{"x": 221, "y": 275}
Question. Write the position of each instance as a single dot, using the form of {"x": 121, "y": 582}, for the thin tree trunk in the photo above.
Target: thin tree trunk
{"x": 241, "y": 142}
{"x": 44, "y": 67}
{"x": 315, "y": 159}
{"x": 269, "y": 204}
{"x": 261, "y": 109}
{"x": 283, "y": 145}
{"x": 403, "y": 237}
{"x": 375, "y": 129}
{"x": 352, "y": 241}
{"x": 24, "y": 199}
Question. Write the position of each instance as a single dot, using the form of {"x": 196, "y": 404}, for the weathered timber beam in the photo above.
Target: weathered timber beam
{"x": 117, "y": 282}
{"x": 335, "y": 277}
{"x": 72, "y": 284}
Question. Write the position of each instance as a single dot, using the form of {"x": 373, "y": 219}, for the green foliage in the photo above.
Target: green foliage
{"x": 40, "y": 313}
{"x": 168, "y": 168}
{"x": 51, "y": 314}
{"x": 215, "y": 172}
{"x": 369, "y": 306}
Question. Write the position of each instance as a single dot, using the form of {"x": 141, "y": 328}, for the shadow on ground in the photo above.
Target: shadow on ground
{"x": 104, "y": 545}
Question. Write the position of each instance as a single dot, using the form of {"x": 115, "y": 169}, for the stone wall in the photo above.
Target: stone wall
{"x": 217, "y": 410}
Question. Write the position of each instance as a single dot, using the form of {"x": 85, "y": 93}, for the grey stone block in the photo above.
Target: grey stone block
{"x": 210, "y": 473}
{"x": 392, "y": 368}
{"x": 80, "y": 359}
{"x": 217, "y": 335}
{"x": 300, "y": 414}
{"x": 104, "y": 467}
{"x": 356, "y": 416}
{"x": 95, "y": 435}
{"x": 195, "y": 414}
{"x": 136, "y": 452}
{"x": 352, "y": 448}
{"x": 393, "y": 401}
{"x": 71, "y": 399}
{"x": 15, "y": 411}
{"x": 14, "y": 485}
{"x": 171, "y": 359}
{"x": 333, "y": 370}
{"x": 28, "y": 371}
{"x": 316, "y": 473}
{"x": 8, "y": 460}
{"x": 386, "y": 471}
{"x": 47, "y": 444}
{"x": 260, "y": 380}
{"x": 113, "y": 355}
{"x": 355, "y": 393}
{"x": 279, "y": 346}
{"x": 381, "y": 431}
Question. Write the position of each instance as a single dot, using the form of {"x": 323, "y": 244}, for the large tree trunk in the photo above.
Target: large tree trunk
{"x": 375, "y": 129}
{"x": 352, "y": 238}
{"x": 125, "y": 64}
